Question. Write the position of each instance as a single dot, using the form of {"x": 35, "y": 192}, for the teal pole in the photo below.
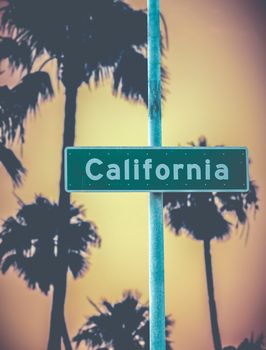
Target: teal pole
{"x": 156, "y": 256}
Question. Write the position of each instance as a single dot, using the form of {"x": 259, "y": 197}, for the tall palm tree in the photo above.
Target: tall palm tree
{"x": 90, "y": 41}
{"x": 205, "y": 216}
{"x": 120, "y": 326}
{"x": 30, "y": 243}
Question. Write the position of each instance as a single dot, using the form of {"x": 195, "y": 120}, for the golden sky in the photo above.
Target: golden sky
{"x": 216, "y": 62}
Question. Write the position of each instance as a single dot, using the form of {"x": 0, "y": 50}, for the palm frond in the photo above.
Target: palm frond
{"x": 240, "y": 203}
{"x": 35, "y": 87}
{"x": 25, "y": 21}
{"x": 134, "y": 24}
{"x": 121, "y": 325}
{"x": 8, "y": 262}
{"x": 35, "y": 272}
{"x": 96, "y": 74}
{"x": 13, "y": 237}
{"x": 130, "y": 76}
{"x": 18, "y": 54}
{"x": 250, "y": 344}
{"x": 78, "y": 264}
{"x": 171, "y": 199}
{"x": 12, "y": 165}
{"x": 17, "y": 103}
{"x": 115, "y": 24}
{"x": 90, "y": 335}
{"x": 82, "y": 234}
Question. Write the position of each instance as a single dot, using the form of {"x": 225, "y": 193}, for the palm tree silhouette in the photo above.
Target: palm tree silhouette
{"x": 120, "y": 326}
{"x": 30, "y": 243}
{"x": 205, "y": 216}
{"x": 90, "y": 42}
{"x": 250, "y": 344}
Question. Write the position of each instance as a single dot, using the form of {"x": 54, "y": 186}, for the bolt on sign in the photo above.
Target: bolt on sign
{"x": 158, "y": 169}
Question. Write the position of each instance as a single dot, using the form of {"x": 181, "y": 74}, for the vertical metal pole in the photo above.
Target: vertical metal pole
{"x": 157, "y": 303}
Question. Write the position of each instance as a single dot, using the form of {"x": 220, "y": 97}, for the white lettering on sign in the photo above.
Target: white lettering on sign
{"x": 88, "y": 169}
{"x": 136, "y": 171}
{"x": 162, "y": 172}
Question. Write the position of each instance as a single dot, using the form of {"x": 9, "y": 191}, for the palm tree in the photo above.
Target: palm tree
{"x": 120, "y": 326}
{"x": 90, "y": 42}
{"x": 205, "y": 217}
{"x": 30, "y": 243}
{"x": 250, "y": 344}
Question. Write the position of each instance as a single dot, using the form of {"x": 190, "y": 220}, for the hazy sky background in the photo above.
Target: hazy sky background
{"x": 216, "y": 62}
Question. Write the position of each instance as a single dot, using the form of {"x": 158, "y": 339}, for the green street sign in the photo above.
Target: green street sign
{"x": 158, "y": 169}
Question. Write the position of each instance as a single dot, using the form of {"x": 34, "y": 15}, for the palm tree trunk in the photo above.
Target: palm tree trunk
{"x": 57, "y": 314}
{"x": 212, "y": 304}
{"x": 54, "y": 341}
{"x": 58, "y": 329}
{"x": 68, "y": 139}
{"x": 66, "y": 339}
